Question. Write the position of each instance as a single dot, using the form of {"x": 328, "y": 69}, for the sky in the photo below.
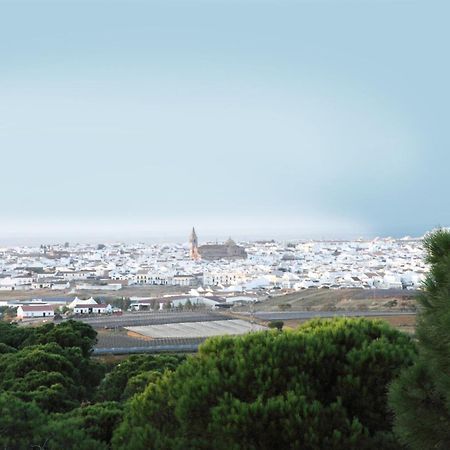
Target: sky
{"x": 135, "y": 120}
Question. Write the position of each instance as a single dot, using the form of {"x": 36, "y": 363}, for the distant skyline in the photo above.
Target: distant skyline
{"x": 135, "y": 120}
{"x": 164, "y": 232}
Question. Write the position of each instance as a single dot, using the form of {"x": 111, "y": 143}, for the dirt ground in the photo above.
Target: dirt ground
{"x": 338, "y": 300}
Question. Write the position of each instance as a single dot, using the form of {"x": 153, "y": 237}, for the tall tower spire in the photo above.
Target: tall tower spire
{"x": 193, "y": 240}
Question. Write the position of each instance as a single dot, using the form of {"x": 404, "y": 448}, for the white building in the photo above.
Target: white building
{"x": 28, "y": 311}
{"x": 92, "y": 308}
{"x": 71, "y": 275}
{"x": 224, "y": 278}
{"x": 184, "y": 280}
{"x": 76, "y": 301}
{"x": 158, "y": 278}
{"x": 99, "y": 287}
{"x": 211, "y": 301}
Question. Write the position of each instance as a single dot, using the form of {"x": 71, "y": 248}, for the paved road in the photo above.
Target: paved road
{"x": 286, "y": 315}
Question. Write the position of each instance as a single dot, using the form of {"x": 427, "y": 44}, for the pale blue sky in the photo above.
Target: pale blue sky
{"x": 137, "y": 119}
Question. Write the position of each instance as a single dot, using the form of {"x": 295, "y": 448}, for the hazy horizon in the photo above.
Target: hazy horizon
{"x": 156, "y": 235}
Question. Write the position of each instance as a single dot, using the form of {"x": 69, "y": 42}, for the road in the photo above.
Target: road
{"x": 286, "y": 315}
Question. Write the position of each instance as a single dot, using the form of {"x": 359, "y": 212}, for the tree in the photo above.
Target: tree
{"x": 6, "y": 348}
{"x": 24, "y": 426}
{"x": 64, "y": 309}
{"x": 420, "y": 397}
{"x": 8, "y": 313}
{"x": 154, "y": 305}
{"x": 139, "y": 382}
{"x": 120, "y": 302}
{"x": 90, "y": 425}
{"x": 21, "y": 423}
{"x": 55, "y": 378}
{"x": 121, "y": 382}
{"x": 71, "y": 333}
{"x": 13, "y": 335}
{"x": 67, "y": 433}
{"x": 277, "y": 324}
{"x": 51, "y": 391}
{"x": 320, "y": 387}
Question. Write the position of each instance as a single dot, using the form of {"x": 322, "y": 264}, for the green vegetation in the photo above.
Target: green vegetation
{"x": 7, "y": 313}
{"x": 52, "y": 393}
{"x": 67, "y": 335}
{"x": 277, "y": 324}
{"x": 421, "y": 396}
{"x": 134, "y": 374}
{"x": 320, "y": 387}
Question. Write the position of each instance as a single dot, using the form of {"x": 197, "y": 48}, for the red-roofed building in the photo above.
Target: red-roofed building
{"x": 27, "y": 311}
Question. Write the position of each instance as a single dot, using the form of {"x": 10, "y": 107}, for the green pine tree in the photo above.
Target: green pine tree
{"x": 420, "y": 397}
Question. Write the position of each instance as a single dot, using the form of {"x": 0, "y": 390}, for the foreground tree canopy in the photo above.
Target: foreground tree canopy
{"x": 67, "y": 335}
{"x": 133, "y": 375}
{"x": 321, "y": 387}
{"x": 49, "y": 365}
{"x": 421, "y": 396}
{"x": 52, "y": 393}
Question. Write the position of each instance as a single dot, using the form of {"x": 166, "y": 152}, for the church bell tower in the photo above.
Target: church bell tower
{"x": 193, "y": 240}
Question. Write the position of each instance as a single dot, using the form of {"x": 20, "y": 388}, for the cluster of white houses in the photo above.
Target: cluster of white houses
{"x": 77, "y": 306}
{"x": 196, "y": 297}
{"x": 379, "y": 263}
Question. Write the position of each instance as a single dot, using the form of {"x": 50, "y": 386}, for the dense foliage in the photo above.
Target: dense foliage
{"x": 320, "y": 387}
{"x": 49, "y": 383}
{"x": 134, "y": 374}
{"x": 421, "y": 396}
{"x": 56, "y": 378}
{"x": 277, "y": 324}
{"x": 67, "y": 335}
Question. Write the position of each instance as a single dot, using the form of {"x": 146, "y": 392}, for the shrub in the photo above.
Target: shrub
{"x": 277, "y": 324}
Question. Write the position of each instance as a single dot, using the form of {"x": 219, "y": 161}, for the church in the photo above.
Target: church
{"x": 211, "y": 252}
